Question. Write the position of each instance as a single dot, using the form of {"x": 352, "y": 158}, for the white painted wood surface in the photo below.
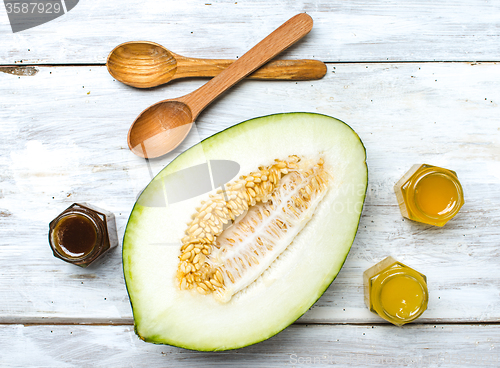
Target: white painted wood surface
{"x": 383, "y": 30}
{"x": 63, "y": 133}
{"x": 64, "y": 145}
{"x": 297, "y": 346}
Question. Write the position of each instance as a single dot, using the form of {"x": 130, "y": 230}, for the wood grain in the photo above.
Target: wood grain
{"x": 291, "y": 70}
{"x": 297, "y": 346}
{"x": 413, "y": 30}
{"x": 64, "y": 140}
{"x": 144, "y": 64}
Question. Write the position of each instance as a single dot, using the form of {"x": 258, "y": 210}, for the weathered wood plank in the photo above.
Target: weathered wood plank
{"x": 63, "y": 133}
{"x": 298, "y": 346}
{"x": 416, "y": 30}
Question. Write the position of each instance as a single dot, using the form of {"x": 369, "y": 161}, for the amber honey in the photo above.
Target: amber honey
{"x": 82, "y": 233}
{"x": 75, "y": 235}
{"x": 402, "y": 297}
{"x": 429, "y": 194}
{"x": 395, "y": 292}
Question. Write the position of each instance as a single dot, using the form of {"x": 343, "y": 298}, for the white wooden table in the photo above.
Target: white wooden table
{"x": 419, "y": 81}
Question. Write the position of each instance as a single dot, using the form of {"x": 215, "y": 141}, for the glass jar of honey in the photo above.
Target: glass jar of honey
{"x": 82, "y": 233}
{"x": 395, "y": 292}
{"x": 429, "y": 194}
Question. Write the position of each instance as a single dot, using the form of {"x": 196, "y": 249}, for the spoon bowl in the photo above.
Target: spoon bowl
{"x": 160, "y": 128}
{"x": 142, "y": 64}
{"x": 164, "y": 125}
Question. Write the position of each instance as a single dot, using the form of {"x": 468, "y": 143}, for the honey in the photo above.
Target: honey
{"x": 82, "y": 233}
{"x": 395, "y": 292}
{"x": 75, "y": 235}
{"x": 429, "y": 194}
{"x": 402, "y": 297}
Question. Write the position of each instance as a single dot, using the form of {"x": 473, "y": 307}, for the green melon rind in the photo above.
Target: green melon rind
{"x": 134, "y": 221}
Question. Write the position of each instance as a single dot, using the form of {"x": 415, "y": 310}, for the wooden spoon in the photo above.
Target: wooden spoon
{"x": 145, "y": 64}
{"x": 164, "y": 125}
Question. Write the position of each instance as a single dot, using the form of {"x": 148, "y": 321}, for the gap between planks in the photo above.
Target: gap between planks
{"x": 130, "y": 322}
{"x": 21, "y": 64}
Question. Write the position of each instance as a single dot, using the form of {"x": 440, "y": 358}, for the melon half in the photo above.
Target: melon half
{"x": 270, "y": 257}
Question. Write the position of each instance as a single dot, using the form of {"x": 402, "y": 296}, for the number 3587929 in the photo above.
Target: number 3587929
{"x": 33, "y": 8}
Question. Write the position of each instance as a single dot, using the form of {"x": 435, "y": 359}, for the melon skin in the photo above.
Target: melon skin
{"x": 295, "y": 281}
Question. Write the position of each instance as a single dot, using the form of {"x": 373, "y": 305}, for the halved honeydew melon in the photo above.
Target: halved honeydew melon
{"x": 300, "y": 263}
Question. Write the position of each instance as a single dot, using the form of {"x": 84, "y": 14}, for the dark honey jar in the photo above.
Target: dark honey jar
{"x": 82, "y": 233}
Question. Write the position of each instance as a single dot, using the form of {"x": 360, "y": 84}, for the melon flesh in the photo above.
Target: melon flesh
{"x": 291, "y": 284}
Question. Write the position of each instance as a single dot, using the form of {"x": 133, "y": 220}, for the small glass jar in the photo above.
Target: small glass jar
{"x": 395, "y": 292}
{"x": 429, "y": 194}
{"x": 82, "y": 233}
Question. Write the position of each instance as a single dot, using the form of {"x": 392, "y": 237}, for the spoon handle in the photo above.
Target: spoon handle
{"x": 273, "y": 70}
{"x": 286, "y": 35}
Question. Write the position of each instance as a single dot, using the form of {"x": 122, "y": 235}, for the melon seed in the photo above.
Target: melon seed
{"x": 264, "y": 195}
